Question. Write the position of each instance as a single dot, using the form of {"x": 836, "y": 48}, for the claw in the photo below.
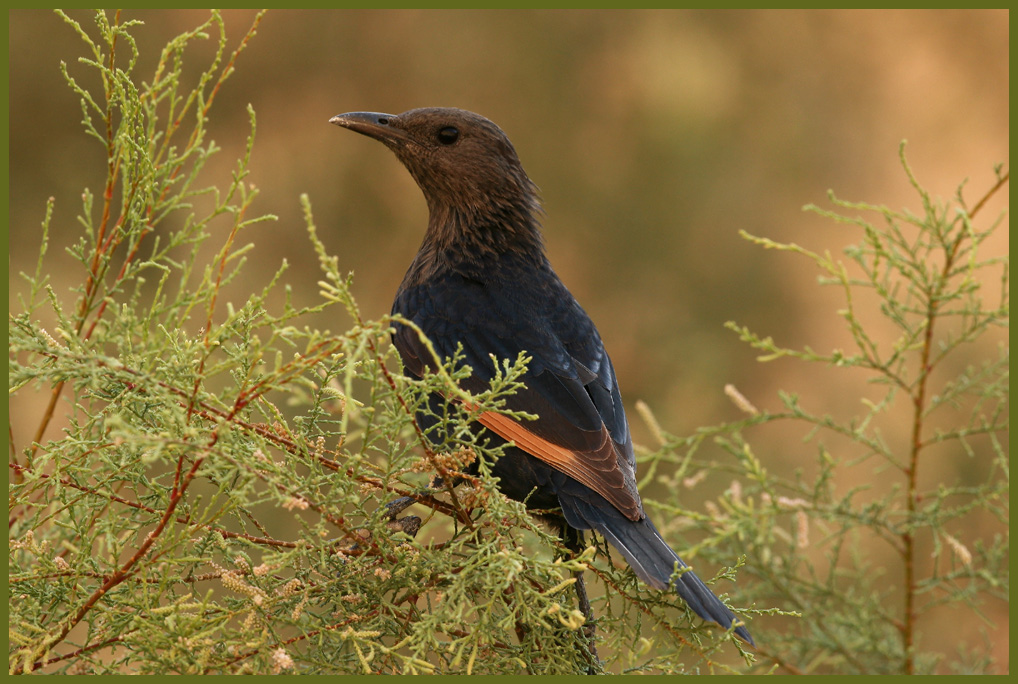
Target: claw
{"x": 409, "y": 525}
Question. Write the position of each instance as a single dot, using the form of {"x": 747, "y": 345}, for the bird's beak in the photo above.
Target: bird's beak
{"x": 372, "y": 124}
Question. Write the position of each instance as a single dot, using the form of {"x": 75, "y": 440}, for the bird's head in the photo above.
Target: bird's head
{"x": 464, "y": 163}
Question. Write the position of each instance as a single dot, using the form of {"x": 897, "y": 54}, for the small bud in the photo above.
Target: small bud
{"x": 296, "y": 502}
{"x": 802, "y": 529}
{"x": 740, "y": 401}
{"x": 959, "y": 550}
{"x": 713, "y": 510}
{"x": 693, "y": 480}
{"x": 281, "y": 661}
{"x": 49, "y": 339}
{"x": 735, "y": 492}
{"x": 648, "y": 417}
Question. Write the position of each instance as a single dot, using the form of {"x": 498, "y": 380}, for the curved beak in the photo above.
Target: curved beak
{"x": 372, "y": 124}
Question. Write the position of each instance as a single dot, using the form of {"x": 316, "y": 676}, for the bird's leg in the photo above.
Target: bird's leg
{"x": 573, "y": 540}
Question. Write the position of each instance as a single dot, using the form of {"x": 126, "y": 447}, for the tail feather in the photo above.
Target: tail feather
{"x": 652, "y": 559}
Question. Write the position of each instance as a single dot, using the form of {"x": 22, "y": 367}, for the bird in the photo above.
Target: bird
{"x": 482, "y": 279}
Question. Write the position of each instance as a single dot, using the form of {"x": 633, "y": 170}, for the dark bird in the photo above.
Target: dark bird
{"x": 481, "y": 279}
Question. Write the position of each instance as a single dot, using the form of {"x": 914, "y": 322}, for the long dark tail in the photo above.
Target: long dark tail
{"x": 651, "y": 558}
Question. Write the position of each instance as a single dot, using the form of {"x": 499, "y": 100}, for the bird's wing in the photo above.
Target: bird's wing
{"x": 581, "y": 428}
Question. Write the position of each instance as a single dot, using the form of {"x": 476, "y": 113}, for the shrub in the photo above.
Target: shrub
{"x": 205, "y": 487}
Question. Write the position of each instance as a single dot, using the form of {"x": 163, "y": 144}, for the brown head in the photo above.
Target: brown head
{"x": 467, "y": 168}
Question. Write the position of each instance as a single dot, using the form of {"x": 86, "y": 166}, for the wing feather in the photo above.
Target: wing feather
{"x": 581, "y": 428}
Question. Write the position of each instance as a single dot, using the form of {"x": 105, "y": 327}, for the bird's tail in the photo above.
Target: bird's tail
{"x": 651, "y": 558}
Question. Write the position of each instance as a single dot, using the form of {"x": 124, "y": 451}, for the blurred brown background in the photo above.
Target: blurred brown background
{"x": 654, "y": 137}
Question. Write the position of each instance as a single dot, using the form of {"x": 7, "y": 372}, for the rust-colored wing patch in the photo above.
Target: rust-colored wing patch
{"x": 597, "y": 468}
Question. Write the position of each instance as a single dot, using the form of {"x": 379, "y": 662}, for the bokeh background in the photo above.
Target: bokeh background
{"x": 655, "y": 136}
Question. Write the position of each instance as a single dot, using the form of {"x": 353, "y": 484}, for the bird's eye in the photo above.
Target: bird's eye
{"x": 448, "y": 135}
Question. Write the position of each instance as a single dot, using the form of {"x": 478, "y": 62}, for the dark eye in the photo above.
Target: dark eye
{"x": 448, "y": 135}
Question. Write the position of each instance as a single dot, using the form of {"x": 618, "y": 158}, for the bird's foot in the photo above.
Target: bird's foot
{"x": 357, "y": 542}
{"x": 410, "y": 524}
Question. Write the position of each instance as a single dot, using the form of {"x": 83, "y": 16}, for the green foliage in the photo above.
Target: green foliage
{"x": 204, "y": 486}
{"x": 204, "y": 489}
{"x": 932, "y": 440}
